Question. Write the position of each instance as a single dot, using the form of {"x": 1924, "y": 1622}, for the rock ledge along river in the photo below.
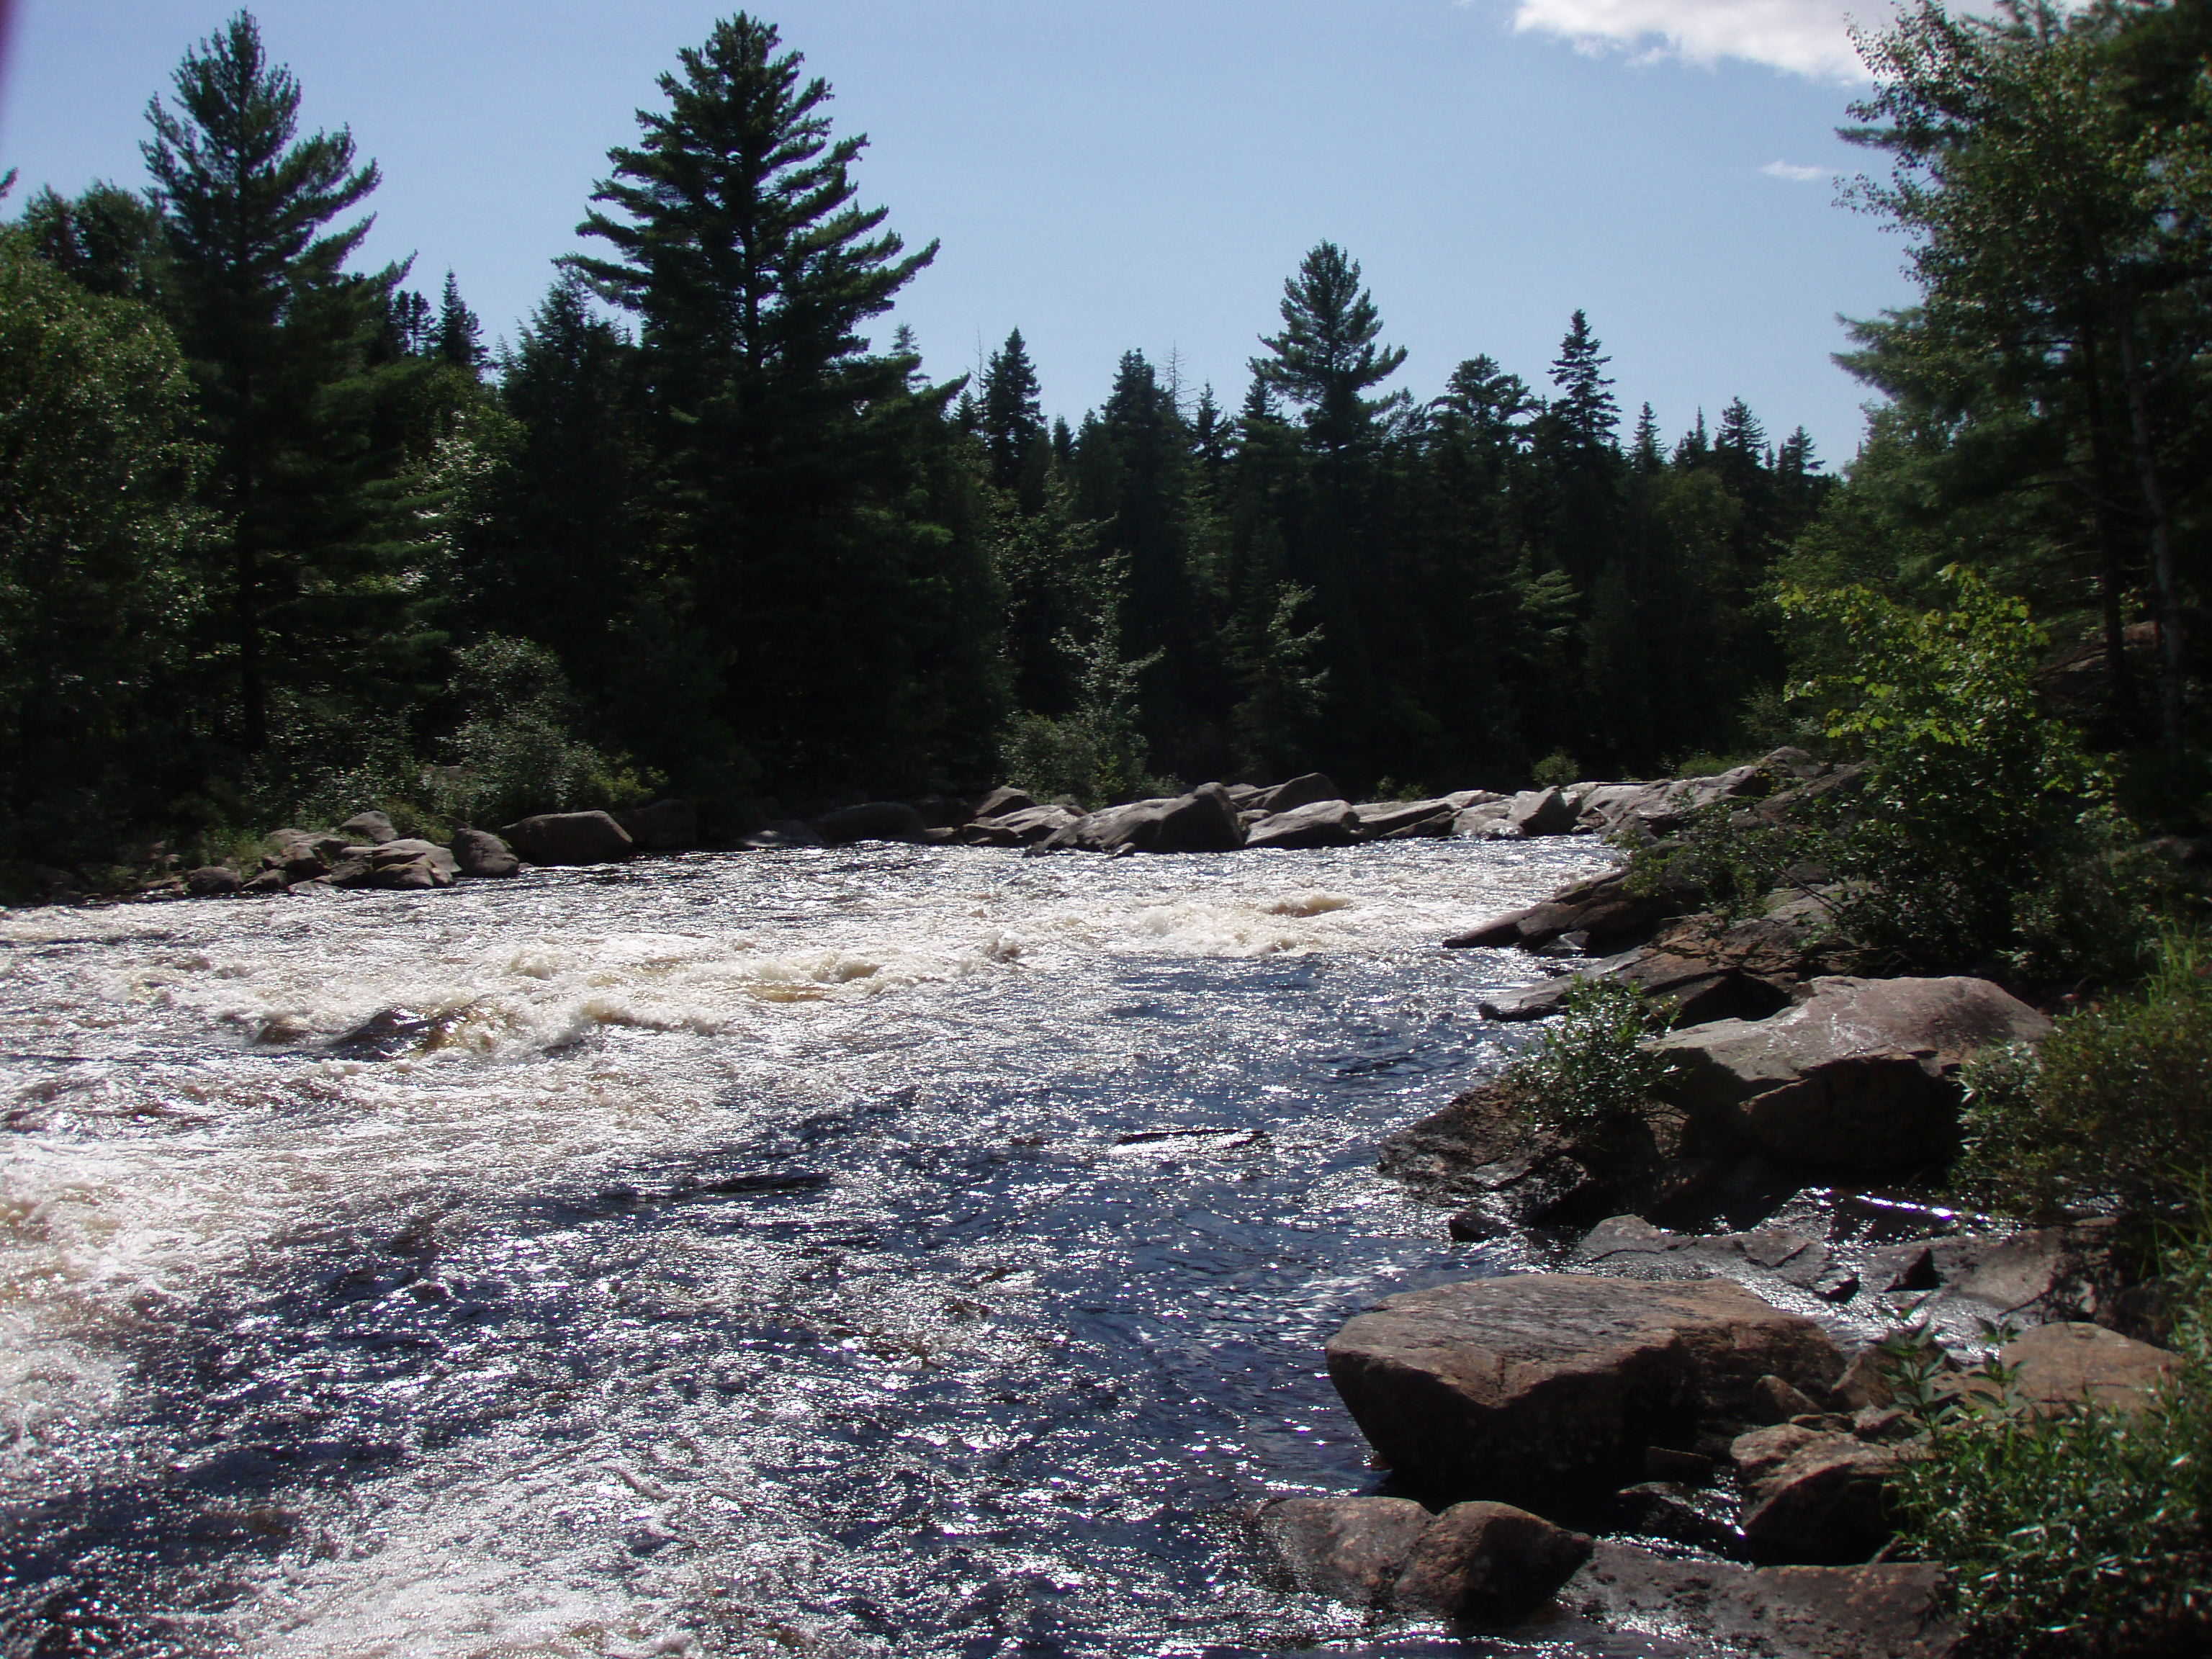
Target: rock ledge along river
{"x": 871, "y": 1251}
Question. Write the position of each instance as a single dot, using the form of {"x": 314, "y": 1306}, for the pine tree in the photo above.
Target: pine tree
{"x": 1012, "y": 416}
{"x": 790, "y": 456}
{"x": 265, "y": 309}
{"x": 1586, "y": 405}
{"x": 460, "y": 335}
{"x": 1326, "y": 359}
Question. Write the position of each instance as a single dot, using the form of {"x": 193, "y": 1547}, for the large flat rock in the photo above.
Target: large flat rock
{"x": 1892, "y": 1611}
{"x": 1860, "y": 1076}
{"x": 1542, "y": 1388}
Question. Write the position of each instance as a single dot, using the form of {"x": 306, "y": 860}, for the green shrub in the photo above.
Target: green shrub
{"x": 1738, "y": 866}
{"x": 2114, "y": 1108}
{"x": 1973, "y": 797}
{"x": 515, "y": 754}
{"x": 1557, "y": 770}
{"x": 1589, "y": 1066}
{"x": 2086, "y": 1531}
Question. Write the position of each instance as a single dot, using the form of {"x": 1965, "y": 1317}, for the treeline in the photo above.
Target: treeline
{"x": 692, "y": 530}
{"x": 284, "y": 538}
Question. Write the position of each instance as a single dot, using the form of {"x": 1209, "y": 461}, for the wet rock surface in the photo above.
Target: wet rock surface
{"x": 1886, "y": 1612}
{"x": 1543, "y": 1389}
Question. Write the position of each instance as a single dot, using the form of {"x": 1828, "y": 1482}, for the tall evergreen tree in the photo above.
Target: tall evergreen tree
{"x": 460, "y": 335}
{"x": 791, "y": 455}
{"x": 267, "y": 312}
{"x": 1012, "y": 415}
{"x": 1326, "y": 359}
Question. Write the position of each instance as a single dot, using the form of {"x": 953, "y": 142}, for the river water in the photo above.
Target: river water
{"x": 869, "y": 1251}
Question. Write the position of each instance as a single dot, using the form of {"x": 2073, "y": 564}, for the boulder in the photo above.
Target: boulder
{"x": 352, "y": 867}
{"x": 300, "y": 855}
{"x": 664, "y": 826}
{"x": 568, "y": 838}
{"x": 373, "y": 828}
{"x": 1305, "y": 790}
{"x": 1019, "y": 827}
{"x": 1481, "y": 1562}
{"x": 1487, "y": 1564}
{"x": 1861, "y": 1076}
{"x": 1383, "y": 818}
{"x": 1628, "y": 1243}
{"x": 1203, "y": 821}
{"x": 1476, "y": 822}
{"x": 1002, "y": 800}
{"x": 875, "y": 820}
{"x": 1317, "y": 824}
{"x": 1483, "y": 1146}
{"x": 1542, "y": 812}
{"x": 1695, "y": 989}
{"x": 1826, "y": 1504}
{"x": 2072, "y": 1363}
{"x": 407, "y": 851}
{"x": 480, "y": 853}
{"x": 419, "y": 873}
{"x": 212, "y": 881}
{"x": 1890, "y": 1611}
{"x": 1599, "y": 911}
{"x": 267, "y": 882}
{"x": 1351, "y": 1549}
{"x": 1536, "y": 1388}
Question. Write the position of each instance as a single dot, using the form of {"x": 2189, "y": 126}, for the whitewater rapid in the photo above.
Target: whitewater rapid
{"x": 886, "y": 1250}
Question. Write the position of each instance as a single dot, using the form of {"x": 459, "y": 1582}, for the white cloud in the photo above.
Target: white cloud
{"x": 1794, "y": 172}
{"x": 1806, "y": 37}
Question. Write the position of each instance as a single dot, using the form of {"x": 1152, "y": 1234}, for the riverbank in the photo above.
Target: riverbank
{"x": 1724, "y": 1401}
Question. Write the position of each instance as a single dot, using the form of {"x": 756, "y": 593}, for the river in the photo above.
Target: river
{"x": 869, "y": 1251}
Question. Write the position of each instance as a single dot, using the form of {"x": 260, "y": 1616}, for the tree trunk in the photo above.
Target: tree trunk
{"x": 2164, "y": 590}
{"x": 2112, "y": 569}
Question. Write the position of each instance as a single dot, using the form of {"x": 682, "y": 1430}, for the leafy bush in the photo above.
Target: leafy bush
{"x": 2114, "y": 1108}
{"x": 2083, "y": 1531}
{"x": 1589, "y": 1066}
{"x": 515, "y": 754}
{"x": 1556, "y": 770}
{"x": 1974, "y": 797}
{"x": 1736, "y": 865}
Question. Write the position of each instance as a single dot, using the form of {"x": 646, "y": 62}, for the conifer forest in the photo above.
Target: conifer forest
{"x": 283, "y": 533}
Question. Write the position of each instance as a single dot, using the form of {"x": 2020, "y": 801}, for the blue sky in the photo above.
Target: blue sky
{"x": 1141, "y": 174}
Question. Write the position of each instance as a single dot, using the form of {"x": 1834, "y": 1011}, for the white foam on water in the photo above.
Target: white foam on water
{"x": 178, "y": 1128}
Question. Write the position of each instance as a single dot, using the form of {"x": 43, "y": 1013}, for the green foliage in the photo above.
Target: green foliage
{"x": 101, "y": 578}
{"x": 1326, "y": 359}
{"x": 1737, "y": 864}
{"x": 515, "y": 753}
{"x": 1972, "y": 796}
{"x": 1556, "y": 770}
{"x": 1589, "y": 1066}
{"x": 2115, "y": 1107}
{"x": 1095, "y": 753}
{"x": 2080, "y": 1531}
